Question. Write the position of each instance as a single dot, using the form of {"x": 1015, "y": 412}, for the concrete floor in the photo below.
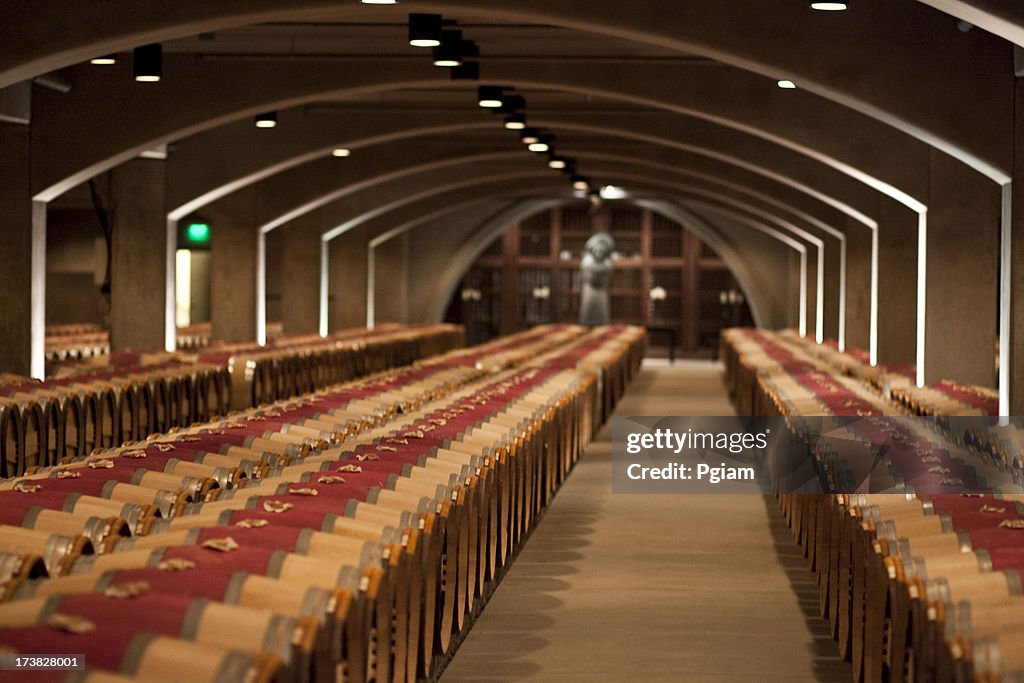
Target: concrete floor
{"x": 693, "y": 587}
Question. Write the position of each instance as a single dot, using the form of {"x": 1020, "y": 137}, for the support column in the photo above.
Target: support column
{"x": 300, "y": 276}
{"x": 233, "y": 266}
{"x": 1017, "y": 258}
{"x": 347, "y": 269}
{"x": 138, "y": 276}
{"x": 17, "y": 296}
{"x": 897, "y": 283}
{"x": 831, "y": 303}
{"x": 391, "y": 277}
{"x": 858, "y": 285}
{"x": 962, "y": 274}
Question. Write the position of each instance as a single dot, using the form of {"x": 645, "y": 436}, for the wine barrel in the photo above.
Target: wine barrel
{"x": 12, "y": 439}
{"x": 143, "y": 656}
{"x": 34, "y": 431}
{"x": 59, "y": 552}
{"x": 241, "y": 629}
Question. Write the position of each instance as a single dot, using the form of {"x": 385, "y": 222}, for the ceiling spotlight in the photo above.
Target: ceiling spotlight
{"x": 529, "y": 136}
{"x": 424, "y": 30}
{"x": 515, "y": 122}
{"x": 542, "y": 145}
{"x": 786, "y": 84}
{"x": 557, "y": 163}
{"x": 490, "y": 96}
{"x": 580, "y": 183}
{"x": 467, "y": 71}
{"x": 612, "y": 192}
{"x": 267, "y": 120}
{"x": 341, "y": 152}
{"x": 380, "y": 2}
{"x": 829, "y": 6}
{"x": 104, "y": 60}
{"x": 147, "y": 63}
{"x": 449, "y": 52}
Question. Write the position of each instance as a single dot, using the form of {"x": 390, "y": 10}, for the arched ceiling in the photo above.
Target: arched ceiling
{"x": 677, "y": 97}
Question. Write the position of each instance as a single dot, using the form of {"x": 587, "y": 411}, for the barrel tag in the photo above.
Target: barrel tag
{"x": 25, "y": 487}
{"x": 103, "y": 463}
{"x": 70, "y": 623}
{"x": 224, "y": 545}
{"x": 175, "y": 564}
{"x": 252, "y": 523}
{"x": 303, "y": 492}
{"x": 129, "y": 589}
{"x": 276, "y": 506}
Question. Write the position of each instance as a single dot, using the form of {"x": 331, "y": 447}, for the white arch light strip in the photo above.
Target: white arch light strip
{"x": 821, "y": 225}
{"x": 327, "y": 198}
{"x": 750, "y": 222}
{"x": 505, "y": 218}
{"x": 328, "y": 236}
{"x": 501, "y": 222}
{"x": 786, "y": 239}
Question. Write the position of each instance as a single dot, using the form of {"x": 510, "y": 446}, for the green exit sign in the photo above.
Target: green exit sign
{"x": 194, "y": 234}
{"x": 199, "y": 232}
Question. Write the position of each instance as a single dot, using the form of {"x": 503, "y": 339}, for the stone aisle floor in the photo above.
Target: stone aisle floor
{"x": 653, "y": 588}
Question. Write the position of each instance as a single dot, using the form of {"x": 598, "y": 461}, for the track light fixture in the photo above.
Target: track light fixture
{"x": 449, "y": 52}
{"x": 147, "y": 63}
{"x": 556, "y": 162}
{"x": 104, "y": 60}
{"x": 515, "y": 122}
{"x": 341, "y": 152}
{"x": 787, "y": 84}
{"x": 580, "y": 183}
{"x": 267, "y": 120}
{"x": 380, "y": 2}
{"x": 830, "y": 6}
{"x": 490, "y": 96}
{"x": 425, "y": 30}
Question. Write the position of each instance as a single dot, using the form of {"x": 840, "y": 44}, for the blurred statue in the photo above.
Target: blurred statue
{"x": 596, "y": 277}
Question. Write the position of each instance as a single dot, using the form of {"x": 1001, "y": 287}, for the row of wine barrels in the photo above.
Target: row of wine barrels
{"x": 919, "y": 587}
{"x": 45, "y": 429}
{"x": 459, "y": 513}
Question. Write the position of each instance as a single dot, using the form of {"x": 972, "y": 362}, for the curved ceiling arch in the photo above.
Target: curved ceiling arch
{"x": 787, "y": 42}
{"x": 68, "y": 155}
{"x": 373, "y": 209}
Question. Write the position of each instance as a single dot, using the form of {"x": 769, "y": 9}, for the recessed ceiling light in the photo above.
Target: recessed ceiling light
{"x": 515, "y": 122}
{"x": 830, "y": 6}
{"x": 341, "y": 152}
{"x": 147, "y": 63}
{"x": 539, "y": 146}
{"x": 104, "y": 60}
{"x": 268, "y": 120}
{"x": 380, "y": 2}
{"x": 529, "y": 136}
{"x": 580, "y": 183}
{"x": 425, "y": 30}
{"x": 557, "y": 163}
{"x": 786, "y": 84}
{"x": 449, "y": 52}
{"x": 612, "y": 192}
